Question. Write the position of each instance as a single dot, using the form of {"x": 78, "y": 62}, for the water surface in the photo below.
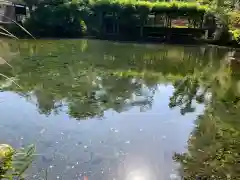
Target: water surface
{"x": 111, "y": 111}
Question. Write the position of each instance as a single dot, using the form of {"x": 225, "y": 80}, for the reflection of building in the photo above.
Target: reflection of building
{"x": 11, "y": 11}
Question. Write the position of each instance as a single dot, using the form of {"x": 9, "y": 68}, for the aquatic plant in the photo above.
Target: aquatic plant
{"x": 13, "y": 163}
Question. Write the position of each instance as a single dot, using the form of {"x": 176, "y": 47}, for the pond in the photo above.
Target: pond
{"x": 122, "y": 111}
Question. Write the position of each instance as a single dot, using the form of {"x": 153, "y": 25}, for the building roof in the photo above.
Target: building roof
{"x": 11, "y": 2}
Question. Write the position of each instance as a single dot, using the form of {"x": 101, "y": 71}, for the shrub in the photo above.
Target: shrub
{"x": 234, "y": 19}
{"x": 236, "y": 34}
{"x": 56, "y": 20}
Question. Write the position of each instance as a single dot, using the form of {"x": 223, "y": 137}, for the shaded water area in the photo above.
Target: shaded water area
{"x": 115, "y": 111}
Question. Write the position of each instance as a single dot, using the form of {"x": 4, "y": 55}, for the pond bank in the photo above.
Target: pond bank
{"x": 159, "y": 41}
{"x": 138, "y": 21}
{"x": 167, "y": 41}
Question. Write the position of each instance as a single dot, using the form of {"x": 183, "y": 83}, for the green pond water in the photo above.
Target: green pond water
{"x": 122, "y": 111}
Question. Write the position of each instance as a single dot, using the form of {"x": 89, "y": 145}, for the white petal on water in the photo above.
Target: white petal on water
{"x": 127, "y": 142}
{"x": 57, "y": 142}
{"x": 58, "y": 177}
{"x": 62, "y": 133}
{"x": 21, "y": 138}
{"x": 173, "y": 176}
{"x": 140, "y": 129}
{"x": 50, "y": 166}
{"x": 42, "y": 131}
{"x": 116, "y": 131}
{"x": 163, "y": 137}
{"x": 85, "y": 147}
{"x": 73, "y": 167}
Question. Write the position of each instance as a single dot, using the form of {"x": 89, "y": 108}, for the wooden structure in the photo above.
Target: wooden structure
{"x": 156, "y": 24}
{"x": 11, "y": 11}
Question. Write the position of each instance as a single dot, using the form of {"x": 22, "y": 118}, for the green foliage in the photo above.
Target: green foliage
{"x": 125, "y": 10}
{"x": 65, "y": 18}
{"x": 227, "y": 18}
{"x": 139, "y": 6}
{"x": 17, "y": 163}
{"x": 83, "y": 27}
{"x": 234, "y": 25}
{"x": 56, "y": 19}
{"x": 234, "y": 19}
{"x": 236, "y": 34}
{"x": 6, "y": 153}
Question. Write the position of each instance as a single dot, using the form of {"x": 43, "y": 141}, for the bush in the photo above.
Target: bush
{"x": 137, "y": 6}
{"x": 56, "y": 20}
{"x": 234, "y": 19}
{"x": 236, "y": 35}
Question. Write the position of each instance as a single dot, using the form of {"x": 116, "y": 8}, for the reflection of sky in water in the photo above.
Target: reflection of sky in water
{"x": 121, "y": 146}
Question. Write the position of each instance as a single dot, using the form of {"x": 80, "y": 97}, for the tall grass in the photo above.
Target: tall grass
{"x": 5, "y": 32}
{"x": 9, "y": 34}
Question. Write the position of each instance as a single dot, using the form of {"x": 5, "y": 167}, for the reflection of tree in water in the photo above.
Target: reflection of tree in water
{"x": 113, "y": 92}
{"x": 91, "y": 77}
{"x": 214, "y": 145}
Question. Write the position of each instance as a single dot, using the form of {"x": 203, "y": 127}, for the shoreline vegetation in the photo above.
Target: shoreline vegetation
{"x": 132, "y": 20}
{"x": 14, "y": 162}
